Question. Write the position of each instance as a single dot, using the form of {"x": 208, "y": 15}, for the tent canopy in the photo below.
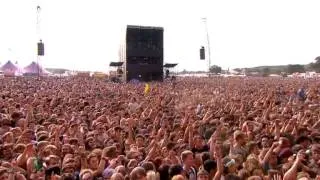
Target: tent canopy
{"x": 34, "y": 68}
{"x": 9, "y": 66}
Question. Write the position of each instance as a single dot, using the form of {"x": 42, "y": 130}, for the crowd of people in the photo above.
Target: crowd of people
{"x": 195, "y": 129}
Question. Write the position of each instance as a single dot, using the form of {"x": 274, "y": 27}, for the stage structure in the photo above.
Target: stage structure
{"x": 141, "y": 51}
{"x": 116, "y": 74}
{"x": 169, "y": 69}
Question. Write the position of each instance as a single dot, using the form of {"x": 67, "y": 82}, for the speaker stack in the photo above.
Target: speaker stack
{"x": 202, "y": 53}
{"x": 40, "y": 48}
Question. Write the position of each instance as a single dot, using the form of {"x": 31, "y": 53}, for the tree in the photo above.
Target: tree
{"x": 315, "y": 66}
{"x": 295, "y": 68}
{"x": 265, "y": 72}
{"x": 238, "y": 70}
{"x": 215, "y": 69}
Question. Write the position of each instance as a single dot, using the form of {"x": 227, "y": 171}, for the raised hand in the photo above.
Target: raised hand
{"x": 275, "y": 144}
{"x": 131, "y": 122}
{"x": 113, "y": 163}
{"x": 82, "y": 151}
{"x": 276, "y": 177}
{"x": 300, "y": 156}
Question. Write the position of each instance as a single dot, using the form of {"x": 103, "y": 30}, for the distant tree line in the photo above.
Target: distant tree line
{"x": 315, "y": 65}
{"x": 284, "y": 69}
{"x": 267, "y": 70}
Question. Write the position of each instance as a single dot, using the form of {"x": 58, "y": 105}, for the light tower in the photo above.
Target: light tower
{"x": 40, "y": 45}
{"x": 208, "y": 42}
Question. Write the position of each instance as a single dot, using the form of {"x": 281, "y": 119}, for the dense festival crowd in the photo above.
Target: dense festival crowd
{"x": 191, "y": 129}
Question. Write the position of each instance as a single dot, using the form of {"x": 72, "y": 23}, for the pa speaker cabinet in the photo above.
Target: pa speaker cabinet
{"x": 143, "y": 53}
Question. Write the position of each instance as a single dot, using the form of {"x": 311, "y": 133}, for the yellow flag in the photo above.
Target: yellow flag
{"x": 147, "y": 89}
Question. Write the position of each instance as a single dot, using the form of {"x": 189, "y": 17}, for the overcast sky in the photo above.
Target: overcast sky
{"x": 85, "y": 34}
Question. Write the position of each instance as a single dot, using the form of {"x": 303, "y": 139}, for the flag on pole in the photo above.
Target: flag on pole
{"x": 147, "y": 89}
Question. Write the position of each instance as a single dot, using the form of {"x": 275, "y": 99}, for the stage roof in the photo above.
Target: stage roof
{"x": 168, "y": 65}
{"x": 116, "y": 64}
{"x": 144, "y": 27}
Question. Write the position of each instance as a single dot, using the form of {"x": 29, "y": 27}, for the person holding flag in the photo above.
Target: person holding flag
{"x": 147, "y": 89}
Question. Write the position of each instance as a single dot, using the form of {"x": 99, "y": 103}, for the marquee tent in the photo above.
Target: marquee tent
{"x": 34, "y": 69}
{"x": 9, "y": 69}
